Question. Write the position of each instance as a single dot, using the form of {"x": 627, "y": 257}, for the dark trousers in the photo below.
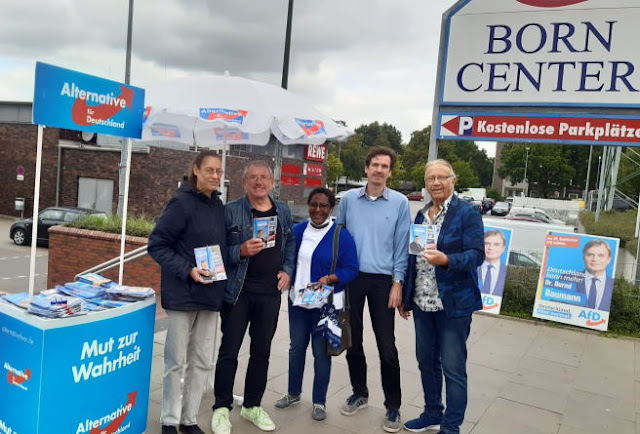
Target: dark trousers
{"x": 260, "y": 314}
{"x": 375, "y": 289}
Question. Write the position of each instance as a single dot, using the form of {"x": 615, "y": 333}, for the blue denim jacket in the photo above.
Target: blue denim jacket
{"x": 240, "y": 229}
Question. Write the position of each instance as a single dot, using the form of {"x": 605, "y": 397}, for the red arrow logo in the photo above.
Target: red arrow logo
{"x": 550, "y": 3}
{"x": 115, "y": 423}
{"x": 493, "y": 306}
{"x": 18, "y": 379}
{"x": 81, "y": 110}
{"x": 453, "y": 125}
{"x": 313, "y": 129}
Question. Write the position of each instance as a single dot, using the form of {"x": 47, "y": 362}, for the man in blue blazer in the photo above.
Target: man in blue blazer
{"x": 596, "y": 285}
{"x": 442, "y": 291}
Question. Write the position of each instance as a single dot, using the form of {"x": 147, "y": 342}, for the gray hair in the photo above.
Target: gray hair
{"x": 257, "y": 163}
{"x": 440, "y": 162}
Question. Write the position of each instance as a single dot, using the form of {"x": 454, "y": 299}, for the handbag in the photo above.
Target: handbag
{"x": 337, "y": 323}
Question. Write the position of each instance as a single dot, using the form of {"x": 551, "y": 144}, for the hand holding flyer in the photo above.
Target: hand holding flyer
{"x": 314, "y": 295}
{"x": 209, "y": 259}
{"x": 265, "y": 229}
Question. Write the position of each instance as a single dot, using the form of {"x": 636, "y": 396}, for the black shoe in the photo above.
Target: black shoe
{"x": 169, "y": 429}
{"x": 190, "y": 429}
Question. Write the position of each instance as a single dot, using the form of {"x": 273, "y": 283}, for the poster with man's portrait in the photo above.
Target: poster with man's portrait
{"x": 492, "y": 274}
{"x": 576, "y": 279}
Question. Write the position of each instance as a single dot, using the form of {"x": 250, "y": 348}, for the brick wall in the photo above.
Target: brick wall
{"x": 18, "y": 146}
{"x": 74, "y": 250}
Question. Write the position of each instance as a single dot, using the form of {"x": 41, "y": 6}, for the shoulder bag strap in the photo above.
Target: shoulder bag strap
{"x": 334, "y": 254}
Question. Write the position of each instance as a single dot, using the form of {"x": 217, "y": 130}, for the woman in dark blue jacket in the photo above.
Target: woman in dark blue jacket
{"x": 193, "y": 218}
{"x": 314, "y": 251}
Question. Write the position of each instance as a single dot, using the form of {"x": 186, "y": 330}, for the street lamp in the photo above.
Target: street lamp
{"x": 526, "y": 164}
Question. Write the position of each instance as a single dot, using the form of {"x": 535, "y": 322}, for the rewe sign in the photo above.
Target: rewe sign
{"x": 541, "y": 71}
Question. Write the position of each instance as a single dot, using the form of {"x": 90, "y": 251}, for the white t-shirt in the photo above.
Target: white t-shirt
{"x": 311, "y": 237}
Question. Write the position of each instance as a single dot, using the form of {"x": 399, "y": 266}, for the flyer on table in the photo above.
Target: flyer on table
{"x": 576, "y": 280}
{"x": 492, "y": 274}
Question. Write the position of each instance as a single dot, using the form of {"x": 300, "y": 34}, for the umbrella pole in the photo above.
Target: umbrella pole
{"x": 223, "y": 187}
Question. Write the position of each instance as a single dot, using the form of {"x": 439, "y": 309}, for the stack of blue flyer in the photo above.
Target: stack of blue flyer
{"x": 129, "y": 293}
{"x": 20, "y": 299}
{"x": 52, "y": 304}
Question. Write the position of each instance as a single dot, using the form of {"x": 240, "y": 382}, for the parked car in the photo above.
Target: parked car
{"x": 523, "y": 259}
{"x": 534, "y": 213}
{"x": 20, "y": 231}
{"x": 415, "y": 195}
{"x": 501, "y": 208}
{"x": 340, "y": 194}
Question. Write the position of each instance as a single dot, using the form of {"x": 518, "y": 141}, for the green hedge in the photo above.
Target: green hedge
{"x": 137, "y": 226}
{"x": 612, "y": 224}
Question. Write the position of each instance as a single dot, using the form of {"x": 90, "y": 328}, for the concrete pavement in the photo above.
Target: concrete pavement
{"x": 524, "y": 377}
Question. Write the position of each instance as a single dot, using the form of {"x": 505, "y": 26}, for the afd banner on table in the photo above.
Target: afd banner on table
{"x": 576, "y": 280}
{"x": 492, "y": 274}
{"x": 64, "y": 98}
{"x": 83, "y": 377}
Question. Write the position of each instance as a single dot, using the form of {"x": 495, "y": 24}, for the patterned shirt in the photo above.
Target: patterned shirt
{"x": 426, "y": 295}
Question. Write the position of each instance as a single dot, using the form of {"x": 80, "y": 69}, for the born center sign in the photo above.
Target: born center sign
{"x": 561, "y": 71}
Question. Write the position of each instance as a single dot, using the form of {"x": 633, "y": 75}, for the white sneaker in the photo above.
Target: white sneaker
{"x": 220, "y": 423}
{"x": 258, "y": 417}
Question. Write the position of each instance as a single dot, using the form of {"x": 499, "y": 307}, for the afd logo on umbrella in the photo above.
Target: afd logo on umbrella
{"x": 311, "y": 127}
{"x": 17, "y": 377}
{"x": 457, "y": 125}
{"x": 550, "y": 3}
{"x": 231, "y": 116}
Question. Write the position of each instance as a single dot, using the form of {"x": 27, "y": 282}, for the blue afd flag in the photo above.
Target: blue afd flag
{"x": 69, "y": 99}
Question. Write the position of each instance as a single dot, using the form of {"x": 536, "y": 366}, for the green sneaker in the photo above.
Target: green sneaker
{"x": 220, "y": 423}
{"x": 258, "y": 417}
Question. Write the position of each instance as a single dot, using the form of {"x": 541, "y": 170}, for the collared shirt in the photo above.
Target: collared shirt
{"x": 426, "y": 294}
{"x": 588, "y": 279}
{"x": 495, "y": 272}
{"x": 380, "y": 228}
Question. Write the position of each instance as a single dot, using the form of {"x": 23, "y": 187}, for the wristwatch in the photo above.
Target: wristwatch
{"x": 400, "y": 281}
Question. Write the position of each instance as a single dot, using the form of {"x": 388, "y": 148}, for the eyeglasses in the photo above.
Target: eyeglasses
{"x": 263, "y": 178}
{"x": 209, "y": 172}
{"x": 432, "y": 179}
{"x": 322, "y": 206}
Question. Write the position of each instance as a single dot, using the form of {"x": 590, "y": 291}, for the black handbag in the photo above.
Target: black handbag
{"x": 344, "y": 316}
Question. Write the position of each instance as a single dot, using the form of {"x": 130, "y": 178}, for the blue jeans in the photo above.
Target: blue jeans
{"x": 302, "y": 323}
{"x": 441, "y": 347}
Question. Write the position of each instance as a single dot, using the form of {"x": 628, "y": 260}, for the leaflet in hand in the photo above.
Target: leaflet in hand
{"x": 209, "y": 258}
{"x": 265, "y": 229}
{"x": 421, "y": 238}
{"x": 314, "y": 295}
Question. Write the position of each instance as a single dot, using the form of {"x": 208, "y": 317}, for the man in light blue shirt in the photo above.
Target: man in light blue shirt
{"x": 378, "y": 219}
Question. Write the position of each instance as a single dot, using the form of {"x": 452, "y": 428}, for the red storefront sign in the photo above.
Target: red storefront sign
{"x": 313, "y": 182}
{"x": 312, "y": 169}
{"x": 289, "y": 180}
{"x": 316, "y": 153}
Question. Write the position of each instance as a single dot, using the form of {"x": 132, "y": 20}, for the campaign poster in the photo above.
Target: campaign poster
{"x": 576, "y": 280}
{"x": 492, "y": 274}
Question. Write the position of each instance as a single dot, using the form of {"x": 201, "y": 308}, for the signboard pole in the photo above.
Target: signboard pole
{"x": 603, "y": 171}
{"x": 125, "y": 208}
{"x": 36, "y": 205}
{"x": 433, "y": 136}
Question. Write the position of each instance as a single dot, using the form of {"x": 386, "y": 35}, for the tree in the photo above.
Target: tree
{"x": 352, "y": 157}
{"x": 334, "y": 167}
{"x": 549, "y": 167}
{"x": 465, "y": 174}
{"x": 375, "y": 134}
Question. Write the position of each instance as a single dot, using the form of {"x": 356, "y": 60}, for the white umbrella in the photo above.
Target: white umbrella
{"x": 213, "y": 111}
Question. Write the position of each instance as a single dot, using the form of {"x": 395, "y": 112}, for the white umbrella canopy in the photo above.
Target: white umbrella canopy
{"x": 215, "y": 111}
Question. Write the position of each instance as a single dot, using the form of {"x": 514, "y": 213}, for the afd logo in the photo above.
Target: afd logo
{"x": 489, "y": 303}
{"x": 592, "y": 318}
{"x": 311, "y": 127}
{"x": 231, "y": 116}
{"x": 550, "y": 3}
{"x": 17, "y": 377}
{"x": 458, "y": 125}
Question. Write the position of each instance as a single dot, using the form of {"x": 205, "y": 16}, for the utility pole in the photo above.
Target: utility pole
{"x": 126, "y": 143}
{"x": 285, "y": 83}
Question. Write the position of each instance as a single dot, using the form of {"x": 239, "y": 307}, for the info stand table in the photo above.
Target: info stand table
{"x": 84, "y": 374}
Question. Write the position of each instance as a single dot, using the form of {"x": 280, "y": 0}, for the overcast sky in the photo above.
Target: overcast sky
{"x": 356, "y": 60}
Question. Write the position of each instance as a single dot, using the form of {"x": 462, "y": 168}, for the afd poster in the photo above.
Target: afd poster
{"x": 492, "y": 274}
{"x": 576, "y": 280}
{"x": 69, "y": 99}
